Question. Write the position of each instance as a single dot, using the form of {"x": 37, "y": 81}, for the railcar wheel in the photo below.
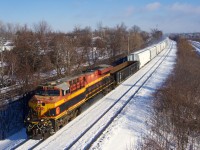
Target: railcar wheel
{"x": 46, "y": 135}
{"x": 74, "y": 114}
{"x": 107, "y": 90}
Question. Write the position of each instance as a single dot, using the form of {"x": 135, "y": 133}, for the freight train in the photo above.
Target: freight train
{"x": 56, "y": 103}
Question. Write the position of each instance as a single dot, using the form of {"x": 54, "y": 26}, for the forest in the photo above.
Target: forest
{"x": 41, "y": 54}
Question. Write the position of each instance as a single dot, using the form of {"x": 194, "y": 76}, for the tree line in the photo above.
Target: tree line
{"x": 41, "y": 53}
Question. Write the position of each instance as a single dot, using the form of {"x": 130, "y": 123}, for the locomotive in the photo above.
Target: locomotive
{"x": 58, "y": 102}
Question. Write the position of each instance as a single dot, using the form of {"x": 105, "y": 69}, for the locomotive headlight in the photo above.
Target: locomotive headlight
{"x": 42, "y": 120}
{"x": 28, "y": 119}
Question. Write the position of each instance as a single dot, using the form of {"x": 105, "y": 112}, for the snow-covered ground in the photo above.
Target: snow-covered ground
{"x": 196, "y": 45}
{"x": 126, "y": 129}
{"x": 13, "y": 140}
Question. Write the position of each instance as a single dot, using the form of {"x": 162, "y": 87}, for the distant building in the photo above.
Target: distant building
{"x": 96, "y": 38}
{"x": 8, "y": 45}
{"x": 2, "y": 64}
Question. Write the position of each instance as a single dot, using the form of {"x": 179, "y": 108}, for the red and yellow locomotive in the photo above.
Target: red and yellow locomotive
{"x": 56, "y": 103}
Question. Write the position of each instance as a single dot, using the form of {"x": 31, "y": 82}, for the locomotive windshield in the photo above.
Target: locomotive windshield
{"x": 42, "y": 92}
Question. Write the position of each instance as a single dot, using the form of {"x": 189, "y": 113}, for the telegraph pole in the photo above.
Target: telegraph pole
{"x": 1, "y": 64}
{"x": 128, "y": 45}
{"x": 1, "y": 50}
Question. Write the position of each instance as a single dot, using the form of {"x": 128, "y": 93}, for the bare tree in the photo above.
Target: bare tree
{"x": 135, "y": 38}
{"x": 135, "y": 29}
{"x": 27, "y": 56}
{"x": 43, "y": 30}
{"x": 156, "y": 34}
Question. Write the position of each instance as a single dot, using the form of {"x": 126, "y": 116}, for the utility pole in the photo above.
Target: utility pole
{"x": 128, "y": 45}
{"x": 1, "y": 51}
{"x": 1, "y": 64}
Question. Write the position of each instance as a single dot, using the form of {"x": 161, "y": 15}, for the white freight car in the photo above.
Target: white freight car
{"x": 158, "y": 48}
{"x": 145, "y": 55}
{"x": 164, "y": 44}
{"x": 153, "y": 52}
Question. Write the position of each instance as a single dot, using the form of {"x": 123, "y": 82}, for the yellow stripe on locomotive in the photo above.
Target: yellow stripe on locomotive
{"x": 56, "y": 103}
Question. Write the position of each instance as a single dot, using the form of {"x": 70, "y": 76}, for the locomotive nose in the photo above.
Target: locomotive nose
{"x": 38, "y": 106}
{"x": 40, "y": 129}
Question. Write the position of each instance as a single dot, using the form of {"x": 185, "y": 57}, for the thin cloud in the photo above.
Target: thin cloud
{"x": 129, "y": 11}
{"x": 153, "y": 6}
{"x": 185, "y": 8}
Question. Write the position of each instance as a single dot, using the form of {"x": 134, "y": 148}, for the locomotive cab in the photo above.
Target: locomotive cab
{"x": 56, "y": 103}
{"x": 38, "y": 126}
{"x": 45, "y": 107}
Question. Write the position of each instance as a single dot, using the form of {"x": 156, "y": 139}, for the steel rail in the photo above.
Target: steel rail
{"x": 107, "y": 110}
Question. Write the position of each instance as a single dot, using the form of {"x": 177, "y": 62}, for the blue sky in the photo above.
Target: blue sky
{"x": 64, "y": 15}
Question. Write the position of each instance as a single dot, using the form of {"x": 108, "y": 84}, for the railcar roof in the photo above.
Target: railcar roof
{"x": 61, "y": 83}
{"x": 64, "y": 86}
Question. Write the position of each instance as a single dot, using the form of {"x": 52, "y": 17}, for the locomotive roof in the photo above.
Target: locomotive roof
{"x": 63, "y": 86}
{"x": 62, "y": 83}
{"x": 100, "y": 67}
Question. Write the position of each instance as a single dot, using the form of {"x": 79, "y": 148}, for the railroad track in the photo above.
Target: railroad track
{"x": 88, "y": 132}
{"x": 7, "y": 94}
{"x": 17, "y": 146}
{"x": 147, "y": 76}
{"x": 90, "y": 128}
{"x": 27, "y": 144}
{"x": 8, "y": 97}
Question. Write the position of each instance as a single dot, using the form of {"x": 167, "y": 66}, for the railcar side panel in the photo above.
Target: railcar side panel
{"x": 143, "y": 57}
{"x": 158, "y": 48}
{"x": 124, "y": 73}
{"x": 153, "y": 52}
